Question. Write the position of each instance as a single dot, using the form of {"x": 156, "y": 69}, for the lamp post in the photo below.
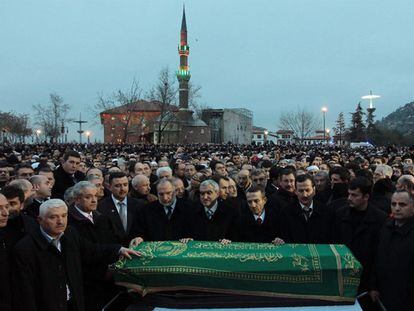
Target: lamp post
{"x": 38, "y": 132}
{"x": 266, "y": 132}
{"x": 88, "y": 136}
{"x": 324, "y": 110}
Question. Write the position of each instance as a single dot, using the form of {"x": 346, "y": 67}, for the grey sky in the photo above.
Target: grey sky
{"x": 268, "y": 56}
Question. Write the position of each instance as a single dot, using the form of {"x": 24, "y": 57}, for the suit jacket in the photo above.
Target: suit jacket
{"x": 280, "y": 199}
{"x": 223, "y": 225}
{"x": 107, "y": 207}
{"x": 32, "y": 208}
{"x": 16, "y": 229}
{"x": 251, "y": 231}
{"x": 153, "y": 224}
{"x": 41, "y": 272}
{"x": 296, "y": 229}
{"x": 394, "y": 269}
{"x": 99, "y": 287}
{"x": 64, "y": 181}
{"x": 361, "y": 238}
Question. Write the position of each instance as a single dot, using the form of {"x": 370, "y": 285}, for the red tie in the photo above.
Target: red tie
{"x": 259, "y": 221}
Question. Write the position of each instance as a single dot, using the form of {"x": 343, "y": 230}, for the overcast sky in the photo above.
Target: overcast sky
{"x": 269, "y": 56}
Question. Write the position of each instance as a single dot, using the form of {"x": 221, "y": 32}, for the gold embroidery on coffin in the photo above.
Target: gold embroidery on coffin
{"x": 300, "y": 261}
{"x": 314, "y": 276}
{"x": 241, "y": 257}
{"x": 168, "y": 248}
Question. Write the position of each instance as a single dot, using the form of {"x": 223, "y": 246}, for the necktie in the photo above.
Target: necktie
{"x": 209, "y": 213}
{"x": 55, "y": 243}
{"x": 259, "y": 221}
{"x": 307, "y": 213}
{"x": 123, "y": 214}
{"x": 169, "y": 211}
{"x": 90, "y": 217}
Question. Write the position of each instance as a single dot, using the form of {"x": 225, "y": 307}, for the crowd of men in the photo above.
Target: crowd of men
{"x": 68, "y": 211}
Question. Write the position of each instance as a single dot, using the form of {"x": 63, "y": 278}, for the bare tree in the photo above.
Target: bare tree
{"x": 194, "y": 95}
{"x": 14, "y": 127}
{"x": 302, "y": 123}
{"x": 50, "y": 116}
{"x": 165, "y": 92}
{"x": 120, "y": 98}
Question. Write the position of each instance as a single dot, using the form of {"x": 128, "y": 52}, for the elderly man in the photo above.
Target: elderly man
{"x": 392, "y": 277}
{"x": 405, "y": 182}
{"x": 243, "y": 183}
{"x": 141, "y": 189}
{"x": 161, "y": 220}
{"x": 96, "y": 228}
{"x": 46, "y": 271}
{"x": 211, "y": 220}
{"x": 164, "y": 172}
{"x": 97, "y": 181}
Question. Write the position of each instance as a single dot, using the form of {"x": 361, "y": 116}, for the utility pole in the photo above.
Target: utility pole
{"x": 80, "y": 131}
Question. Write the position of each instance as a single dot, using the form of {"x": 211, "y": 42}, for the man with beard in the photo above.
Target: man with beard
{"x": 306, "y": 221}
{"x": 358, "y": 224}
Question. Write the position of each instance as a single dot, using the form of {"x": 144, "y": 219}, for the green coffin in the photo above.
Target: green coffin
{"x": 305, "y": 271}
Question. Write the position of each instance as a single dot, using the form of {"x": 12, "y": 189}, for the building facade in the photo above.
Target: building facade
{"x": 229, "y": 125}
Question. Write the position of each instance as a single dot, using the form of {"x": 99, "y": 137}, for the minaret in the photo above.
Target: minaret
{"x": 183, "y": 74}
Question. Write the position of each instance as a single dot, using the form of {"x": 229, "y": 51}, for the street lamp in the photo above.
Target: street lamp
{"x": 266, "y": 132}
{"x": 324, "y": 110}
{"x": 38, "y": 132}
{"x": 88, "y": 135}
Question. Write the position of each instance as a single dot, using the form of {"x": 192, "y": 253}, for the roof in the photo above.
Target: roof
{"x": 139, "y": 106}
{"x": 284, "y": 132}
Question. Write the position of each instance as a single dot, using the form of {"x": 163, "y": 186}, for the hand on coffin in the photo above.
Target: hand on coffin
{"x": 126, "y": 252}
{"x": 186, "y": 240}
{"x": 224, "y": 241}
{"x": 136, "y": 241}
{"x": 278, "y": 241}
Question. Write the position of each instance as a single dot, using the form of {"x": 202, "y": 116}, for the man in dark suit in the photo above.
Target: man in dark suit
{"x": 258, "y": 223}
{"x": 393, "y": 277}
{"x": 42, "y": 192}
{"x": 163, "y": 219}
{"x": 119, "y": 208}
{"x": 95, "y": 227}
{"x": 358, "y": 224}
{"x": 285, "y": 195}
{"x": 67, "y": 174}
{"x": 5, "y": 292}
{"x": 211, "y": 220}
{"x": 47, "y": 269}
{"x": 306, "y": 221}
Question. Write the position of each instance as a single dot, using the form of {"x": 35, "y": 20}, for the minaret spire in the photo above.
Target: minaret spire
{"x": 183, "y": 74}
{"x": 183, "y": 21}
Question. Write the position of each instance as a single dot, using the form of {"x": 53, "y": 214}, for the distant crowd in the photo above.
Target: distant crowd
{"x": 69, "y": 211}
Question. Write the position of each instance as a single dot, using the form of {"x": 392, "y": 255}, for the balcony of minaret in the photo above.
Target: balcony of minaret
{"x": 183, "y": 50}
